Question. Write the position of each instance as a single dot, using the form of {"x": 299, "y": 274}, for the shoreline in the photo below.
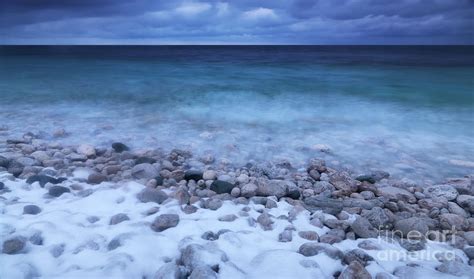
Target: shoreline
{"x": 313, "y": 215}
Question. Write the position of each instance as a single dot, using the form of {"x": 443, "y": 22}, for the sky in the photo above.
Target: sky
{"x": 236, "y": 22}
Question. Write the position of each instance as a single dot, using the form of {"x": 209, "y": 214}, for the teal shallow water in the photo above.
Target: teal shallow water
{"x": 407, "y": 111}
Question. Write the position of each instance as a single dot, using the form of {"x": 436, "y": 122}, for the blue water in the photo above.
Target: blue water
{"x": 407, "y": 110}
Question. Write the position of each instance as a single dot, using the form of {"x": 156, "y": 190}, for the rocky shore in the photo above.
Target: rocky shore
{"x": 71, "y": 211}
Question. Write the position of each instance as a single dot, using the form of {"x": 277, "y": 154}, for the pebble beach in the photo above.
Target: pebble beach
{"x": 85, "y": 211}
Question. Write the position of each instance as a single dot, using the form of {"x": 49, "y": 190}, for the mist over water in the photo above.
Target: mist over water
{"x": 406, "y": 110}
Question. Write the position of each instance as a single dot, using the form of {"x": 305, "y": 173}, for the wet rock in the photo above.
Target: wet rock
{"x": 285, "y": 236}
{"x": 271, "y": 204}
{"x": 446, "y": 191}
{"x": 189, "y": 209}
{"x": 15, "y": 168}
{"x": 342, "y": 181}
{"x": 183, "y": 196}
{"x": 159, "y": 180}
{"x": 248, "y": 190}
{"x": 209, "y": 235}
{"x": 310, "y": 249}
{"x": 209, "y": 175}
{"x": 469, "y": 236}
{"x": 151, "y": 211}
{"x": 164, "y": 222}
{"x": 469, "y": 251}
{"x": 314, "y": 174}
{"x": 466, "y": 202}
{"x": 355, "y": 270}
{"x": 118, "y": 218}
{"x": 144, "y": 171}
{"x": 36, "y": 238}
{"x": 177, "y": 175}
{"x": 377, "y": 217}
{"x": 448, "y": 221}
{"x": 4, "y": 162}
{"x": 119, "y": 147}
{"x": 57, "y": 191}
{"x": 235, "y": 192}
{"x": 277, "y": 188}
{"x": 31, "y": 209}
{"x": 309, "y": 235}
{"x": 368, "y": 245}
{"x": 114, "y": 169}
{"x": 57, "y": 250}
{"x": 212, "y": 204}
{"x": 413, "y": 244}
{"x": 323, "y": 187}
{"x": 96, "y": 178}
{"x": 195, "y": 255}
{"x": 193, "y": 175}
{"x": 396, "y": 194}
{"x": 456, "y": 268}
{"x": 87, "y": 150}
{"x": 144, "y": 160}
{"x": 43, "y": 179}
{"x": 228, "y": 218}
{"x": 265, "y": 221}
{"x": 327, "y": 205}
{"x": 152, "y": 195}
{"x": 413, "y": 224}
{"x": 171, "y": 271}
{"x": 363, "y": 228}
{"x": 293, "y": 193}
{"x": 456, "y": 209}
{"x": 203, "y": 272}
{"x": 14, "y": 245}
{"x": 221, "y": 187}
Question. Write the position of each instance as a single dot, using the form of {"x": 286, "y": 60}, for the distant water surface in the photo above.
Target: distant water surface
{"x": 407, "y": 110}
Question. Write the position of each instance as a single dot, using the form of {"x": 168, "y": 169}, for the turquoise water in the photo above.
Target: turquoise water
{"x": 405, "y": 110}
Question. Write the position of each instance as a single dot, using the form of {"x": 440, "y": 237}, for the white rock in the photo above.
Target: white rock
{"x": 86, "y": 149}
{"x": 209, "y": 175}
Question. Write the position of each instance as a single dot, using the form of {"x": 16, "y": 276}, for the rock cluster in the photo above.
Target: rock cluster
{"x": 377, "y": 205}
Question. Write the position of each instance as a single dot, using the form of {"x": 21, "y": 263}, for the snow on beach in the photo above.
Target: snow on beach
{"x": 78, "y": 240}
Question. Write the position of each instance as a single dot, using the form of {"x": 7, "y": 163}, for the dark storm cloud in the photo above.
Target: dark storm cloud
{"x": 244, "y": 21}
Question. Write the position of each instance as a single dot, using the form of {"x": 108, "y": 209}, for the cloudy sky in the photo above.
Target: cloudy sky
{"x": 236, "y": 22}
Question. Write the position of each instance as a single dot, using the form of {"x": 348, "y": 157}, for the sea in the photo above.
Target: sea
{"x": 408, "y": 110}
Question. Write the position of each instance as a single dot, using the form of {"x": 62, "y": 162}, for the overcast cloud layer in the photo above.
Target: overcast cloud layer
{"x": 237, "y": 22}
